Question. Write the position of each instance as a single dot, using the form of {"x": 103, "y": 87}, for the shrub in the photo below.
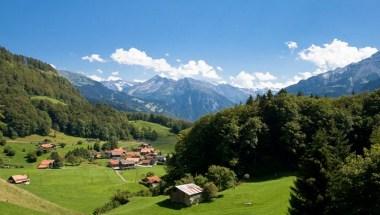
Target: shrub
{"x": 222, "y": 177}
{"x": 3, "y": 142}
{"x": 62, "y": 145}
{"x": 210, "y": 191}
{"x": 149, "y": 174}
{"x": 9, "y": 151}
{"x": 58, "y": 160}
{"x": 200, "y": 180}
{"x": 31, "y": 157}
{"x": 80, "y": 142}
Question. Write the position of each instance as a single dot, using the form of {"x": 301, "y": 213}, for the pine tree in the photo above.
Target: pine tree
{"x": 309, "y": 195}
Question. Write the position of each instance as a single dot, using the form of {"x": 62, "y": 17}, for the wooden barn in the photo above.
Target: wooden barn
{"x": 19, "y": 179}
{"x": 188, "y": 194}
{"x": 46, "y": 164}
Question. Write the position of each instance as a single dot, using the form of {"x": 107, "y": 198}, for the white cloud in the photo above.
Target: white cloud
{"x": 291, "y": 45}
{"x": 219, "y": 68}
{"x": 167, "y": 54}
{"x": 138, "y": 80}
{"x": 113, "y": 78}
{"x": 115, "y": 73}
{"x": 93, "y": 58}
{"x": 196, "y": 69}
{"x": 336, "y": 54}
{"x": 96, "y": 78}
{"x": 257, "y": 80}
{"x": 261, "y": 76}
{"x": 178, "y": 60}
{"x": 99, "y": 71}
{"x": 243, "y": 80}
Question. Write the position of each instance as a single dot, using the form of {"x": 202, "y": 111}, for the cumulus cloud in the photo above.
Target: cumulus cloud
{"x": 291, "y": 45}
{"x": 336, "y": 54}
{"x": 93, "y": 58}
{"x": 257, "y": 80}
{"x": 219, "y": 68}
{"x": 96, "y": 78}
{"x": 196, "y": 69}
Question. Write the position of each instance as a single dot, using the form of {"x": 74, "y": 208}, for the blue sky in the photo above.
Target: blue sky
{"x": 238, "y": 42}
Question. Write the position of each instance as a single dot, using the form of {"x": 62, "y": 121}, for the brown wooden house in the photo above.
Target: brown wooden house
{"x": 188, "y": 194}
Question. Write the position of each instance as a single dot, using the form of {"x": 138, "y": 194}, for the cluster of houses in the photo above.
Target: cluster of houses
{"x": 144, "y": 155}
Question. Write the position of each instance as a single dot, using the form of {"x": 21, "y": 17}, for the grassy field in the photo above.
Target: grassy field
{"x": 165, "y": 141}
{"x": 52, "y": 100}
{"x": 11, "y": 209}
{"x": 19, "y": 199}
{"x": 82, "y": 188}
{"x": 267, "y": 198}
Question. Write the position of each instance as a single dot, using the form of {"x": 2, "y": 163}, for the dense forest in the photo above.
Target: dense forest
{"x": 325, "y": 141}
{"x": 34, "y": 99}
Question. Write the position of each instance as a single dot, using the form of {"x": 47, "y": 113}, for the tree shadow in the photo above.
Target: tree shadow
{"x": 167, "y": 203}
{"x": 272, "y": 176}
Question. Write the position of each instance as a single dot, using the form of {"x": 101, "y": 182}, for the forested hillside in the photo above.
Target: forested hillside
{"x": 320, "y": 138}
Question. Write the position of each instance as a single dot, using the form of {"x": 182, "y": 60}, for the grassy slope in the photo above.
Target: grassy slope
{"x": 52, "y": 100}
{"x": 11, "y": 209}
{"x": 25, "y": 201}
{"x": 165, "y": 141}
{"x": 268, "y": 198}
{"x": 81, "y": 188}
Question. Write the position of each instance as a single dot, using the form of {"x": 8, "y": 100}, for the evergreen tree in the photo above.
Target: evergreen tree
{"x": 309, "y": 195}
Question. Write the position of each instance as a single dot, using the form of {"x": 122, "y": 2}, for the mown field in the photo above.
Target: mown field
{"x": 256, "y": 198}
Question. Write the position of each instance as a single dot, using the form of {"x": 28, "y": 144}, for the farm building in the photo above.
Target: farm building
{"x": 148, "y": 162}
{"x": 114, "y": 164}
{"x": 116, "y": 153}
{"x": 188, "y": 194}
{"x": 19, "y": 179}
{"x": 47, "y": 146}
{"x": 46, "y": 164}
{"x": 125, "y": 164}
{"x": 134, "y": 160}
{"x": 151, "y": 181}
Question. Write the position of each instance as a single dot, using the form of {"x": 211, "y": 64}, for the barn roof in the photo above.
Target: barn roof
{"x": 190, "y": 189}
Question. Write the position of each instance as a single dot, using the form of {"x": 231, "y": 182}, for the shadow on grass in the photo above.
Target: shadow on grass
{"x": 269, "y": 177}
{"x": 171, "y": 205}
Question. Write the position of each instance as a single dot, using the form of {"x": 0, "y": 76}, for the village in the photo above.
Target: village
{"x": 122, "y": 159}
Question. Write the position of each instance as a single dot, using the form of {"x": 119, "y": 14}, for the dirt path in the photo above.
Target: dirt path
{"x": 120, "y": 176}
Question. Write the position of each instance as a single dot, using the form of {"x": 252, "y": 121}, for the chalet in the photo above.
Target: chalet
{"x": 114, "y": 164}
{"x": 151, "y": 181}
{"x": 116, "y": 153}
{"x": 19, "y": 179}
{"x": 134, "y": 160}
{"x": 148, "y": 162}
{"x": 188, "y": 194}
{"x": 147, "y": 150}
{"x": 125, "y": 164}
{"x": 46, "y": 164}
{"x": 133, "y": 155}
{"x": 47, "y": 146}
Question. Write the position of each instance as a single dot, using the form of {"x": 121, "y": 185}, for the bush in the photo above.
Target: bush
{"x": 149, "y": 174}
{"x": 210, "y": 191}
{"x": 31, "y": 157}
{"x": 80, "y": 142}
{"x": 3, "y": 142}
{"x": 222, "y": 177}
{"x": 9, "y": 151}
{"x": 200, "y": 180}
{"x": 62, "y": 145}
{"x": 58, "y": 160}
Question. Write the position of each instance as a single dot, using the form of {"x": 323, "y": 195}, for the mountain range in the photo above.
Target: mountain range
{"x": 362, "y": 76}
{"x": 184, "y": 98}
{"x": 190, "y": 99}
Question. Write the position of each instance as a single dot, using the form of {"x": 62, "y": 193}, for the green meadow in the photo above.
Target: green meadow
{"x": 256, "y": 198}
{"x": 81, "y": 189}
